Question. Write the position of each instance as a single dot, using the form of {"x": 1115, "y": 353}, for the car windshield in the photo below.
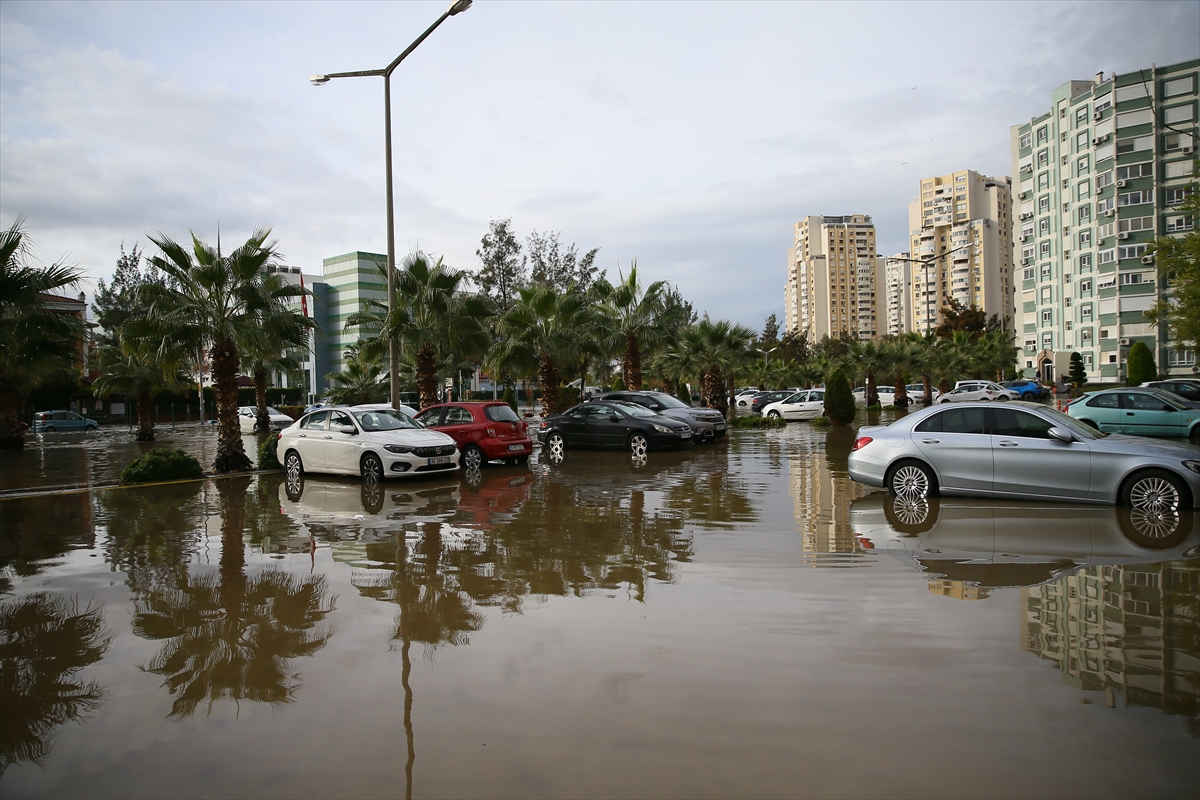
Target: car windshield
{"x": 668, "y": 401}
{"x": 388, "y": 420}
{"x": 501, "y": 414}
{"x": 632, "y": 409}
{"x": 1168, "y": 399}
{"x": 798, "y": 397}
{"x": 274, "y": 411}
{"x": 1074, "y": 425}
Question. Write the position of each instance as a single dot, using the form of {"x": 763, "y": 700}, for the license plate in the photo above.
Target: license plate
{"x": 516, "y": 447}
{"x": 439, "y": 460}
{"x": 720, "y": 426}
{"x": 685, "y": 435}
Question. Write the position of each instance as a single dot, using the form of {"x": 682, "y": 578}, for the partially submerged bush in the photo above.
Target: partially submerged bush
{"x": 162, "y": 465}
{"x": 839, "y": 400}
{"x": 753, "y": 421}
{"x": 267, "y": 459}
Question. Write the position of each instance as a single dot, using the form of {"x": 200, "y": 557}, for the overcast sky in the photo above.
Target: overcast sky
{"x": 687, "y": 135}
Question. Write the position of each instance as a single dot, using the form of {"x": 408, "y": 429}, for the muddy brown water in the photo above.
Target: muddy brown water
{"x": 738, "y": 619}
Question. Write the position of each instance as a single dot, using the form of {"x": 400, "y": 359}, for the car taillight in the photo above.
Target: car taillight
{"x": 491, "y": 432}
{"x": 861, "y": 442}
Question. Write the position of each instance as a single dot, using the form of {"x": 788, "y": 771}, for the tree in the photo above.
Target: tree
{"x": 215, "y": 303}
{"x": 37, "y": 344}
{"x": 435, "y": 318}
{"x": 504, "y": 268}
{"x": 770, "y": 334}
{"x": 1178, "y": 260}
{"x": 1078, "y": 372}
{"x": 839, "y": 399}
{"x": 282, "y": 330}
{"x": 117, "y": 303}
{"x": 137, "y": 370}
{"x": 956, "y": 317}
{"x": 363, "y": 379}
{"x": 552, "y": 265}
{"x": 794, "y": 347}
{"x": 868, "y": 357}
{"x": 1140, "y": 367}
{"x": 639, "y": 320}
{"x": 711, "y": 352}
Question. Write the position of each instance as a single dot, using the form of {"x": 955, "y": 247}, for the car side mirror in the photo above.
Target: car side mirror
{"x": 614, "y": 418}
{"x": 347, "y": 429}
{"x": 1061, "y": 435}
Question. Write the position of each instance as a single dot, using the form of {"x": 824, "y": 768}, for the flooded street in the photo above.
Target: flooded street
{"x": 738, "y": 619}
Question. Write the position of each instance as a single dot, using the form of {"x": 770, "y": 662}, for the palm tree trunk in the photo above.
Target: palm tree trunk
{"x": 262, "y": 423}
{"x": 231, "y": 455}
{"x": 668, "y": 386}
{"x": 632, "y": 365}
{"x": 548, "y": 380}
{"x": 872, "y": 391}
{"x": 145, "y": 414}
{"x": 928, "y": 382}
{"x": 427, "y": 375}
{"x": 713, "y": 384}
{"x": 901, "y": 400}
{"x": 11, "y": 432}
{"x": 943, "y": 386}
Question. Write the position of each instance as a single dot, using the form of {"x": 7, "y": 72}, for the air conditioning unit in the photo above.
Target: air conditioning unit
{"x": 1123, "y": 341}
{"x": 1120, "y": 184}
{"x": 1147, "y": 259}
{"x": 1185, "y": 150}
{"x": 1027, "y": 215}
{"x": 1025, "y": 262}
{"x": 1110, "y": 213}
{"x": 1096, "y": 140}
{"x": 1098, "y": 115}
{"x": 1122, "y": 235}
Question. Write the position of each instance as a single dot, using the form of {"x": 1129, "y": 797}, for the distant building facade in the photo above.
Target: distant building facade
{"x": 898, "y": 294}
{"x": 1100, "y": 175}
{"x": 835, "y": 278}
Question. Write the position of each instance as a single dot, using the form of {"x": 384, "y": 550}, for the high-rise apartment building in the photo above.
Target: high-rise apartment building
{"x": 961, "y": 228}
{"x": 1099, "y": 178}
{"x": 834, "y": 276}
{"x": 898, "y": 294}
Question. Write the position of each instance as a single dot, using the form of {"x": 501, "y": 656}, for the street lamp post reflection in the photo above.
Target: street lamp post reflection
{"x": 457, "y": 7}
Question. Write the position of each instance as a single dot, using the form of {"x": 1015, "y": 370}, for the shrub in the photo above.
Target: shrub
{"x": 510, "y": 398}
{"x": 161, "y": 465}
{"x": 267, "y": 459}
{"x": 839, "y": 400}
{"x": 1141, "y": 365}
{"x": 1078, "y": 371}
{"x": 820, "y": 422}
{"x": 754, "y": 421}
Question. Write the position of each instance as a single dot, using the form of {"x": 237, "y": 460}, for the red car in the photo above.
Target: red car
{"x": 488, "y": 431}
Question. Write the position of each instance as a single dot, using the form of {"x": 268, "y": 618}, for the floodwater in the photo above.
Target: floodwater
{"x": 739, "y": 619}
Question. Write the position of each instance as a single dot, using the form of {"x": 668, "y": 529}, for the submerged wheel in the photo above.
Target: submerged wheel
{"x": 293, "y": 464}
{"x": 639, "y": 445}
{"x": 371, "y": 468}
{"x": 472, "y": 457}
{"x": 556, "y": 446}
{"x": 911, "y": 480}
{"x": 1155, "y": 491}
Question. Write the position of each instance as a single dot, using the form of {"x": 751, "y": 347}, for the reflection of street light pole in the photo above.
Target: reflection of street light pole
{"x": 457, "y": 7}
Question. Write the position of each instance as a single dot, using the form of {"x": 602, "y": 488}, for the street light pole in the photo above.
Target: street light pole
{"x": 457, "y": 7}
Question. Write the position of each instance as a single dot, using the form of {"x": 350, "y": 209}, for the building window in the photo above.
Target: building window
{"x": 1136, "y": 224}
{"x": 1045, "y": 249}
{"x": 1176, "y": 141}
{"x": 1174, "y": 197}
{"x": 1083, "y": 190}
{"x": 1181, "y": 358}
{"x": 1027, "y": 274}
{"x": 1085, "y": 312}
{"x": 1176, "y": 224}
{"x": 1144, "y": 170}
{"x": 1085, "y": 237}
{"x": 1104, "y": 204}
{"x": 1043, "y": 158}
{"x": 1027, "y": 253}
{"x": 1026, "y": 140}
{"x": 1178, "y": 169}
{"x": 1087, "y": 357}
{"x": 1103, "y": 179}
{"x": 1045, "y": 272}
{"x": 1177, "y": 86}
{"x": 1085, "y": 262}
{"x": 1175, "y": 114}
{"x": 1134, "y": 198}
{"x": 1081, "y": 114}
{"x": 1047, "y": 317}
{"x": 1085, "y": 287}
{"x": 1081, "y": 140}
{"x": 1132, "y": 251}
{"x": 1044, "y": 226}
{"x": 1043, "y": 134}
{"x": 1044, "y": 203}
{"x": 1047, "y": 341}
{"x": 1130, "y": 278}
{"x": 1031, "y": 344}
{"x": 1084, "y": 214}
{"x": 1134, "y": 144}
{"x": 1108, "y": 256}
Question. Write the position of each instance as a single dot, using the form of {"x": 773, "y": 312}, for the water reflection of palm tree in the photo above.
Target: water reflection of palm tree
{"x": 230, "y": 635}
{"x": 45, "y": 640}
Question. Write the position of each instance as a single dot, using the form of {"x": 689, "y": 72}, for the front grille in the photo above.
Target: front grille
{"x": 440, "y": 450}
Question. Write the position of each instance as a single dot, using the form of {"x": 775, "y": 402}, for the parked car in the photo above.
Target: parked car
{"x": 484, "y": 431}
{"x": 806, "y": 404}
{"x": 706, "y": 423}
{"x": 763, "y": 399}
{"x": 887, "y": 394}
{"x": 1023, "y": 450}
{"x": 611, "y": 423}
{"x": 916, "y": 392}
{"x": 62, "y": 421}
{"x": 1028, "y": 389}
{"x": 1145, "y": 412}
{"x": 404, "y": 408}
{"x": 368, "y": 442}
{"x": 977, "y": 391}
{"x": 248, "y": 415}
{"x": 1187, "y": 388}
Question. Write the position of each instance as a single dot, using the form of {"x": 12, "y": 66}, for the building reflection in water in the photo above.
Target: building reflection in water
{"x": 822, "y": 492}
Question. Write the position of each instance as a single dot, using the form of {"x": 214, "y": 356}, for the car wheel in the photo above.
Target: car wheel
{"x": 371, "y": 468}
{"x": 1155, "y": 491}
{"x": 773, "y": 414}
{"x": 943, "y": 402}
{"x": 556, "y": 447}
{"x": 911, "y": 515}
{"x": 1027, "y": 396}
{"x": 48, "y": 430}
{"x": 472, "y": 457}
{"x": 911, "y": 479}
{"x": 1002, "y": 398}
{"x": 293, "y": 464}
{"x": 639, "y": 445}
{"x": 1152, "y": 530}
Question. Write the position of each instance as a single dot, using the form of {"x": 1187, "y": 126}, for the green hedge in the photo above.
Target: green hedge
{"x": 267, "y": 458}
{"x": 753, "y": 421}
{"x": 162, "y": 465}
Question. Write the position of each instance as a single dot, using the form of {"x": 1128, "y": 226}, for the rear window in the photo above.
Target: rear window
{"x": 501, "y": 414}
{"x": 1104, "y": 401}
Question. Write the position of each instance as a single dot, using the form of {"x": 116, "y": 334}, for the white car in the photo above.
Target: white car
{"x": 248, "y": 415}
{"x": 806, "y": 404}
{"x": 409, "y": 410}
{"x": 977, "y": 391}
{"x": 887, "y": 394}
{"x": 373, "y": 443}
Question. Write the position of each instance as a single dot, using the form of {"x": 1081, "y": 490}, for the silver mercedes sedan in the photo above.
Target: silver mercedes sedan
{"x": 1023, "y": 450}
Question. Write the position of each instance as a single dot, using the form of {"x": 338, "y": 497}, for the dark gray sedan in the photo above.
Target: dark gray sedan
{"x": 1023, "y": 450}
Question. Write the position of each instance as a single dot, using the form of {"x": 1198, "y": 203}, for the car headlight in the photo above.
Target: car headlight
{"x": 662, "y": 428}
{"x": 397, "y": 448}
{"x": 1194, "y": 466}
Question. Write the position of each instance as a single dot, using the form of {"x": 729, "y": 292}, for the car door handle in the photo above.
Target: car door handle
{"x": 1129, "y": 413}
{"x": 931, "y": 441}
{"x": 1008, "y": 444}
{"x": 328, "y": 437}
{"x": 302, "y": 435}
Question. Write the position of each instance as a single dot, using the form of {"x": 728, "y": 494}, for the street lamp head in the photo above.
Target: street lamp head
{"x": 459, "y": 6}
{"x": 319, "y": 80}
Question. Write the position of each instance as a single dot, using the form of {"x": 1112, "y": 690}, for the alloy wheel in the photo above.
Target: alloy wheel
{"x": 910, "y": 481}
{"x": 638, "y": 445}
{"x": 557, "y": 447}
{"x": 372, "y": 469}
{"x": 472, "y": 458}
{"x": 1154, "y": 494}
{"x": 291, "y": 463}
{"x": 1155, "y": 524}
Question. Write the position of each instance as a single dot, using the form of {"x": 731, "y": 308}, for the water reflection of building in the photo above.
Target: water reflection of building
{"x": 1129, "y": 630}
{"x": 821, "y": 501}
{"x": 959, "y": 590}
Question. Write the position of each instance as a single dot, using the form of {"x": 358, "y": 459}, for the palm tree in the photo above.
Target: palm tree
{"x": 542, "y": 331}
{"x": 924, "y": 346}
{"x": 362, "y": 380}
{"x": 866, "y": 358}
{"x": 640, "y": 319}
{"x": 904, "y": 357}
{"x": 712, "y": 351}
{"x": 219, "y": 304}
{"x": 134, "y": 369}
{"x": 434, "y": 319}
{"x": 37, "y": 344}
{"x": 283, "y": 330}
